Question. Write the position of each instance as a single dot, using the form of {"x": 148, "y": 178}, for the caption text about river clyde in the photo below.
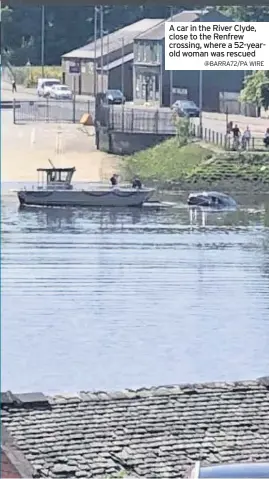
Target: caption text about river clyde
{"x": 217, "y": 46}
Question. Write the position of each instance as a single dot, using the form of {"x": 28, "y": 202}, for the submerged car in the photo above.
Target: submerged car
{"x": 212, "y": 199}
{"x": 186, "y": 108}
{"x": 247, "y": 470}
{"x": 115, "y": 97}
{"x": 60, "y": 92}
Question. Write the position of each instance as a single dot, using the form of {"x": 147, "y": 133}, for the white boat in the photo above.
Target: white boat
{"x": 54, "y": 188}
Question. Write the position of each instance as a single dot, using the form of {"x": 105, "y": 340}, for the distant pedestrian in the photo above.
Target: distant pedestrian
{"x": 14, "y": 87}
{"x": 246, "y": 139}
{"x": 266, "y": 138}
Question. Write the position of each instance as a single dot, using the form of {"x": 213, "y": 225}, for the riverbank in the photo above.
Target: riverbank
{"x": 198, "y": 165}
{"x": 28, "y": 147}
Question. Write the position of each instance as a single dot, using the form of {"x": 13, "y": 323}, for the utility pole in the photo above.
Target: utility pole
{"x": 171, "y": 71}
{"x": 122, "y": 65}
{"x": 42, "y": 40}
{"x": 102, "y": 46}
{"x": 95, "y": 90}
{"x": 201, "y": 99}
{"x": 106, "y": 33}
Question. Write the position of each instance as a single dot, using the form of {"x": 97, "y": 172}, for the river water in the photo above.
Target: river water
{"x": 109, "y": 300}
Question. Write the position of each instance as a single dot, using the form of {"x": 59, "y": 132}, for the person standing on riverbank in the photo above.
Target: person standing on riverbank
{"x": 266, "y": 138}
{"x": 13, "y": 85}
{"x": 246, "y": 139}
{"x": 236, "y": 137}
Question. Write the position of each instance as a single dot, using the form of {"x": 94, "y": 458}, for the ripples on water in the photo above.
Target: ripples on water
{"x": 99, "y": 299}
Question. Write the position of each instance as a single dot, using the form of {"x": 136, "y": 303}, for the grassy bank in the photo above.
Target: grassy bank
{"x": 28, "y": 76}
{"x": 198, "y": 166}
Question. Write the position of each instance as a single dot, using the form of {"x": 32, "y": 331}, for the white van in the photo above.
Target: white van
{"x": 44, "y": 85}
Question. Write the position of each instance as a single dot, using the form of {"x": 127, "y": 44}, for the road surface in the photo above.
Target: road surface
{"x": 63, "y": 112}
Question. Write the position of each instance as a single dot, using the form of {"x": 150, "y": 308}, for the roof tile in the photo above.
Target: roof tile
{"x": 154, "y": 432}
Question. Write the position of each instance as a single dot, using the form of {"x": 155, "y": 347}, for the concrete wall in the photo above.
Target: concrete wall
{"x": 120, "y": 143}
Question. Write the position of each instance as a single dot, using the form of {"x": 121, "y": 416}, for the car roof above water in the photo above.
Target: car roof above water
{"x": 241, "y": 471}
{"x": 210, "y": 193}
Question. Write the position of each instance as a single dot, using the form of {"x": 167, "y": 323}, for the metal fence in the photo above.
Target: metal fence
{"x": 54, "y": 111}
{"x": 226, "y": 141}
{"x": 120, "y": 118}
{"x": 137, "y": 120}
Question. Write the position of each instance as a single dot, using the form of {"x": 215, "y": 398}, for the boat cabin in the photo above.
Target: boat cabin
{"x": 55, "y": 178}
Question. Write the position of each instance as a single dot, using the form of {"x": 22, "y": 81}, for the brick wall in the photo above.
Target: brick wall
{"x": 8, "y": 471}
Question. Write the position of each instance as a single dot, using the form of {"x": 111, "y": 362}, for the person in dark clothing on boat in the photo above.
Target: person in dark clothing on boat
{"x": 136, "y": 183}
{"x": 114, "y": 180}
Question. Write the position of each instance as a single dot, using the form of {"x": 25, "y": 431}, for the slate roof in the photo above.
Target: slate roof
{"x": 157, "y": 32}
{"x": 127, "y": 33}
{"x": 154, "y": 433}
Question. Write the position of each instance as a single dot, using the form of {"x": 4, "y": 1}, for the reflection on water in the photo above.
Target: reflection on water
{"x": 114, "y": 299}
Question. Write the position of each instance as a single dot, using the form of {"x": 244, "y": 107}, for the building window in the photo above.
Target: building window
{"x": 138, "y": 86}
{"x": 153, "y": 52}
{"x": 140, "y": 52}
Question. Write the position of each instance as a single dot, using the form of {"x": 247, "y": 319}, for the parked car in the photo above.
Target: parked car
{"x": 115, "y": 97}
{"x": 186, "y": 108}
{"x": 60, "y": 92}
{"x": 44, "y": 85}
{"x": 247, "y": 470}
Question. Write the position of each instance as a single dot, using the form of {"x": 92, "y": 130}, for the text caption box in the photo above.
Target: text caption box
{"x": 217, "y": 46}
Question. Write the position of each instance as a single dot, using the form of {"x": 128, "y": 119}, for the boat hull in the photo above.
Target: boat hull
{"x": 88, "y": 198}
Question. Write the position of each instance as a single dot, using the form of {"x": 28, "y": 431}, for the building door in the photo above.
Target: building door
{"x": 150, "y": 87}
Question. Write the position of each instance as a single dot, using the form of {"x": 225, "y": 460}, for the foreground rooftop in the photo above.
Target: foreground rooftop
{"x": 156, "y": 432}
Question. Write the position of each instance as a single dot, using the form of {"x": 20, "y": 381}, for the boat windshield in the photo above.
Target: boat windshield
{"x": 58, "y": 176}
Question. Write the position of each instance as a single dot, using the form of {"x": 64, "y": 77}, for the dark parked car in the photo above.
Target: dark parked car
{"x": 186, "y": 108}
{"x": 115, "y": 97}
{"x": 247, "y": 470}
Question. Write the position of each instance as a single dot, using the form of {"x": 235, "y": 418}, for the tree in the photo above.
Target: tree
{"x": 246, "y": 13}
{"x": 66, "y": 28}
{"x": 256, "y": 89}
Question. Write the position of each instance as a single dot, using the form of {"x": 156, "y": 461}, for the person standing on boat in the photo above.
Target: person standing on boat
{"x": 137, "y": 183}
{"x": 114, "y": 180}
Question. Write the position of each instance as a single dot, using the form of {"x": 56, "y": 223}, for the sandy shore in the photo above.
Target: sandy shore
{"x": 28, "y": 147}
